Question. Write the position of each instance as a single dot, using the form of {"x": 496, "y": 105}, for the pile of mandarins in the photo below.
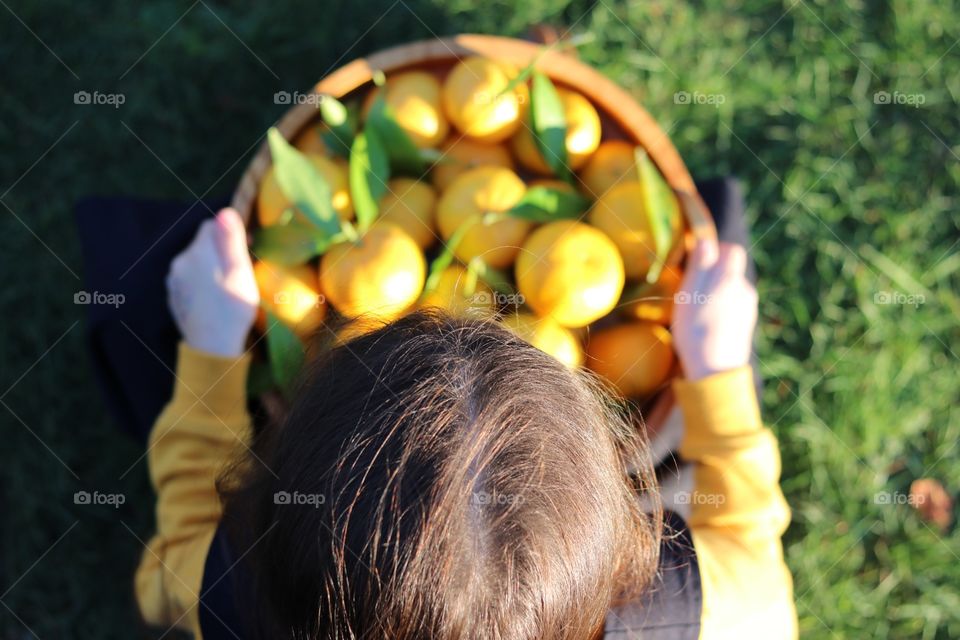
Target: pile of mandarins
{"x": 584, "y": 282}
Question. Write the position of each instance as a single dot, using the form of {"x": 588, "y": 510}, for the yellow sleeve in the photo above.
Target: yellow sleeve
{"x": 738, "y": 512}
{"x": 198, "y": 431}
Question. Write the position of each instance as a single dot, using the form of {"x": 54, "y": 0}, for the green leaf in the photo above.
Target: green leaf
{"x": 403, "y": 153}
{"x": 472, "y": 276}
{"x": 285, "y": 353}
{"x": 303, "y": 185}
{"x": 522, "y": 76}
{"x": 544, "y": 204}
{"x": 662, "y": 210}
{"x": 369, "y": 172}
{"x": 525, "y": 72}
{"x": 445, "y": 259}
{"x": 290, "y": 244}
{"x": 549, "y": 124}
{"x": 341, "y": 127}
{"x": 496, "y": 279}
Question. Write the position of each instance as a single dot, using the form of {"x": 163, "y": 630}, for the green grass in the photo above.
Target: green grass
{"x": 847, "y": 198}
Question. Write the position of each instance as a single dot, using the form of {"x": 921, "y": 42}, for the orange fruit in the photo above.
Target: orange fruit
{"x": 413, "y": 98}
{"x": 636, "y": 357}
{"x": 358, "y": 327}
{"x": 291, "y": 294}
{"x": 450, "y": 294}
{"x": 612, "y": 163}
{"x": 548, "y": 336}
{"x": 571, "y": 272}
{"x": 582, "y": 139}
{"x": 381, "y": 275}
{"x": 620, "y": 214}
{"x": 310, "y": 141}
{"x": 271, "y": 203}
{"x": 410, "y": 205}
{"x": 463, "y": 153}
{"x": 653, "y": 302}
{"x": 471, "y": 195}
{"x": 475, "y": 100}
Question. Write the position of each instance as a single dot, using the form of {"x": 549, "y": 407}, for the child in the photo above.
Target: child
{"x": 439, "y": 478}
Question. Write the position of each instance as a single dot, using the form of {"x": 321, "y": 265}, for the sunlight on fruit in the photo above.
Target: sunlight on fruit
{"x": 621, "y": 215}
{"x": 471, "y": 196}
{"x": 653, "y": 302}
{"x": 476, "y": 101}
{"x": 548, "y": 336}
{"x": 291, "y": 294}
{"x": 381, "y": 276}
{"x": 413, "y": 98}
{"x": 636, "y": 357}
{"x": 571, "y": 272}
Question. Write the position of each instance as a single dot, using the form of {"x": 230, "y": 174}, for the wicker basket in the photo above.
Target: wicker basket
{"x": 621, "y": 116}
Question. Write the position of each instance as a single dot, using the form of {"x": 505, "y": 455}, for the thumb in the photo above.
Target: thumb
{"x": 231, "y": 239}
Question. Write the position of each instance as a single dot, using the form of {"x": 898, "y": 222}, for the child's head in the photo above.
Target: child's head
{"x": 446, "y": 480}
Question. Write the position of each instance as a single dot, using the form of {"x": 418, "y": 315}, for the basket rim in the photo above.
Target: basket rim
{"x": 605, "y": 94}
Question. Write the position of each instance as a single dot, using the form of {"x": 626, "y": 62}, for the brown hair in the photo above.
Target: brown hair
{"x": 440, "y": 478}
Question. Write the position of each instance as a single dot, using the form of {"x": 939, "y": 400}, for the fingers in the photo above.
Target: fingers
{"x": 732, "y": 259}
{"x": 704, "y": 255}
{"x": 700, "y": 264}
{"x": 230, "y": 237}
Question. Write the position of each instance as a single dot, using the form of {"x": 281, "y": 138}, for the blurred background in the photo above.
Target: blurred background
{"x": 840, "y": 117}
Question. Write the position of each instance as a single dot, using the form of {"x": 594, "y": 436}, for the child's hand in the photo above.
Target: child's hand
{"x": 715, "y": 312}
{"x": 211, "y": 289}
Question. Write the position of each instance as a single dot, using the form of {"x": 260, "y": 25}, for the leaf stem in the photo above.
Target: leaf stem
{"x": 350, "y": 232}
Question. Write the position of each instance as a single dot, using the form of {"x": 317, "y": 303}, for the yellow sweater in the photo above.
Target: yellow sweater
{"x": 738, "y": 511}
